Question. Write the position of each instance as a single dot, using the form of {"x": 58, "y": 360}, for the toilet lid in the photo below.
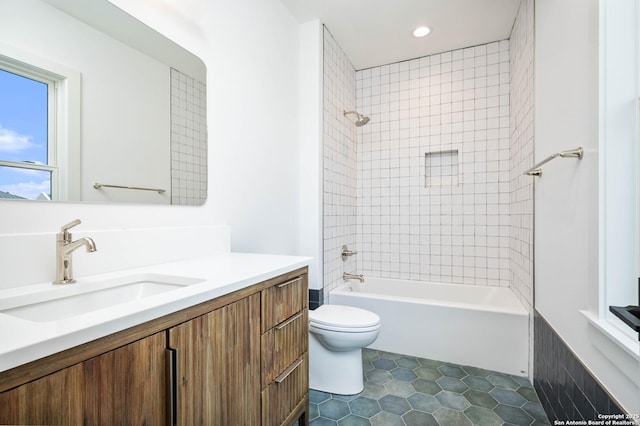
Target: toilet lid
{"x": 343, "y": 317}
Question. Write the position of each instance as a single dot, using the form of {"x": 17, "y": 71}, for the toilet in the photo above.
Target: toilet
{"x": 337, "y": 335}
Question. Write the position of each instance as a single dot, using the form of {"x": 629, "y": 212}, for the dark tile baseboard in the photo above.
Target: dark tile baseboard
{"x": 316, "y": 298}
{"x": 565, "y": 387}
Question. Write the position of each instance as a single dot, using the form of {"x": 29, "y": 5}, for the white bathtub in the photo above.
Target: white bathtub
{"x": 484, "y": 327}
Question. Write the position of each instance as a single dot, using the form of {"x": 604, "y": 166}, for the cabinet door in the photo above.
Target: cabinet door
{"x": 218, "y": 366}
{"x": 127, "y": 385}
{"x": 123, "y": 386}
{"x": 53, "y": 399}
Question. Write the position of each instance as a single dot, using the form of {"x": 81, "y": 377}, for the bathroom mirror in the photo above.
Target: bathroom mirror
{"x": 98, "y": 107}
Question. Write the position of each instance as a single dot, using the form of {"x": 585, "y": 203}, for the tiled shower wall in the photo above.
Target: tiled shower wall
{"x": 188, "y": 140}
{"x": 451, "y": 107}
{"x": 521, "y": 186}
{"x": 521, "y": 148}
{"x": 339, "y": 163}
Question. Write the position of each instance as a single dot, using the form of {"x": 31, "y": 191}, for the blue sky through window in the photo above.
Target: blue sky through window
{"x": 23, "y": 134}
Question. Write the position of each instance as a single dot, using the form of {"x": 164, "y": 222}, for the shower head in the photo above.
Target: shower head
{"x": 361, "y": 120}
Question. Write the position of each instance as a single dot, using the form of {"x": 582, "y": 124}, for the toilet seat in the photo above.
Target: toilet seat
{"x": 345, "y": 319}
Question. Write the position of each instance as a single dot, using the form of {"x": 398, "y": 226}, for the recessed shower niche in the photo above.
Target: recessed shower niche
{"x": 441, "y": 169}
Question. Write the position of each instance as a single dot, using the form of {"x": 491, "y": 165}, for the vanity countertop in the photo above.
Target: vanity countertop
{"x": 23, "y": 341}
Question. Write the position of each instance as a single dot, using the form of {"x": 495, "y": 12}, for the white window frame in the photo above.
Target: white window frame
{"x": 64, "y": 132}
{"x": 619, "y": 168}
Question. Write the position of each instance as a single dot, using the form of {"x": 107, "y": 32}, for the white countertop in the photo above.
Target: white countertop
{"x": 23, "y": 341}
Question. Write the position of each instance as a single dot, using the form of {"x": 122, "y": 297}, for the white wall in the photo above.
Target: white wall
{"x": 310, "y": 131}
{"x": 252, "y": 60}
{"x": 566, "y": 196}
{"x": 250, "y": 49}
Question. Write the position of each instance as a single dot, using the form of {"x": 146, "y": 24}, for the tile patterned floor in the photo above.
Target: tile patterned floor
{"x": 402, "y": 390}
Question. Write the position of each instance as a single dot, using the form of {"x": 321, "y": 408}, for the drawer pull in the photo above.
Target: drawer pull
{"x": 171, "y": 364}
{"x": 281, "y": 378}
{"x": 289, "y": 282}
{"x": 289, "y": 321}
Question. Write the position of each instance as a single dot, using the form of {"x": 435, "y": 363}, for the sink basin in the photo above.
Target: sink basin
{"x": 61, "y": 302}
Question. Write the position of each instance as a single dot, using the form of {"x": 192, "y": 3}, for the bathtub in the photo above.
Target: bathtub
{"x": 485, "y": 327}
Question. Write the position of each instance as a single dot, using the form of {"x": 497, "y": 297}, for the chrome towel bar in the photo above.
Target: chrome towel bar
{"x": 97, "y": 185}
{"x": 572, "y": 153}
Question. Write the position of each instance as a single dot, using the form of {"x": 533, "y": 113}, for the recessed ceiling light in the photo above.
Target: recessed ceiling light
{"x": 421, "y": 31}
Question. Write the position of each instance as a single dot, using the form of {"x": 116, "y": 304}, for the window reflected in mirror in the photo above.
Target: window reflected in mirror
{"x": 26, "y": 154}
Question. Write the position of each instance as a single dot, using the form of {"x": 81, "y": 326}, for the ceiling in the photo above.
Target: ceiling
{"x": 378, "y": 32}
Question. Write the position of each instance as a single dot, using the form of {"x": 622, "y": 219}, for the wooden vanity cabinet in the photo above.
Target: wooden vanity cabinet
{"x": 217, "y": 358}
{"x": 122, "y": 386}
{"x": 239, "y": 359}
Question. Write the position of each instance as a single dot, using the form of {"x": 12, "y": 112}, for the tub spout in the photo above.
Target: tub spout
{"x": 347, "y": 277}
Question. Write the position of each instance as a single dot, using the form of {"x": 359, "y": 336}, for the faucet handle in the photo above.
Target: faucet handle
{"x": 346, "y": 252}
{"x": 65, "y": 228}
{"x": 64, "y": 231}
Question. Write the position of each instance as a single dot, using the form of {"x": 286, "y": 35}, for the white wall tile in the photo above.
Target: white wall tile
{"x": 188, "y": 140}
{"x": 339, "y": 157}
{"x": 441, "y": 102}
{"x": 521, "y": 153}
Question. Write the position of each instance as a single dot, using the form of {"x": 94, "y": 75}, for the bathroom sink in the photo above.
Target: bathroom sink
{"x": 61, "y": 302}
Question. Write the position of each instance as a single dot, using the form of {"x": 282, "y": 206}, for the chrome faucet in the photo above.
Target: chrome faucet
{"x": 64, "y": 248}
{"x": 346, "y": 277}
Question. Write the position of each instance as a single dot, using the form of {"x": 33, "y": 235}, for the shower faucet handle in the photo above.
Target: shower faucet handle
{"x": 346, "y": 252}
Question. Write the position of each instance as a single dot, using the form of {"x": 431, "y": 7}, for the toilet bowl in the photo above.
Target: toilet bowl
{"x": 337, "y": 335}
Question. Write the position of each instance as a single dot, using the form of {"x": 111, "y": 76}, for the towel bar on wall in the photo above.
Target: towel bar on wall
{"x": 573, "y": 153}
{"x": 97, "y": 185}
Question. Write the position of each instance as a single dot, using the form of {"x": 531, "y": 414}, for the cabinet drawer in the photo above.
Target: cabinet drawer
{"x": 288, "y": 389}
{"x": 284, "y": 344}
{"x": 283, "y": 300}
